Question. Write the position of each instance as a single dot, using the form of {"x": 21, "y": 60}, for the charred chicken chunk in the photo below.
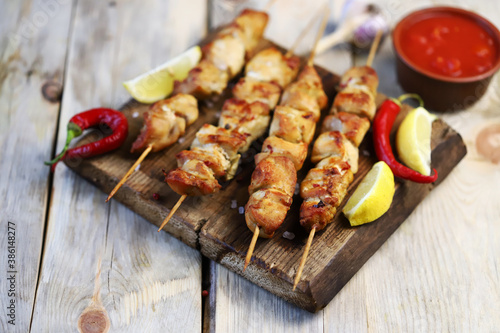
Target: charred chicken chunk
{"x": 270, "y": 65}
{"x": 165, "y": 122}
{"x": 253, "y": 90}
{"x": 292, "y": 125}
{"x": 203, "y": 81}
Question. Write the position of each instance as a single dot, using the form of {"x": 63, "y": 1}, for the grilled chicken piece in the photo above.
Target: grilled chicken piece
{"x": 266, "y": 209}
{"x": 323, "y": 190}
{"x": 212, "y": 155}
{"x": 230, "y": 141}
{"x": 355, "y": 100}
{"x": 253, "y": 90}
{"x": 292, "y": 125}
{"x": 252, "y": 23}
{"x": 271, "y": 190}
{"x": 250, "y": 119}
{"x": 203, "y": 81}
{"x": 352, "y": 126}
{"x": 270, "y": 65}
{"x": 226, "y": 52}
{"x": 273, "y": 146}
{"x": 194, "y": 178}
{"x": 165, "y": 122}
{"x": 306, "y": 94}
{"x": 335, "y": 144}
{"x": 274, "y": 172}
{"x": 360, "y": 76}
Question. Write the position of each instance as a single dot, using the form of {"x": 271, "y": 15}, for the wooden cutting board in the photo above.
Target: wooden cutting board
{"x": 215, "y": 225}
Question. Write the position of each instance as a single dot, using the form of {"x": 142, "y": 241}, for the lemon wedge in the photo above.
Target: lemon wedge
{"x": 413, "y": 140}
{"x": 373, "y": 197}
{"x": 158, "y": 83}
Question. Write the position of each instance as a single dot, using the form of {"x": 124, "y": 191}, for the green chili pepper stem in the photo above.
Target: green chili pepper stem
{"x": 415, "y": 96}
{"x": 73, "y": 131}
{"x": 396, "y": 101}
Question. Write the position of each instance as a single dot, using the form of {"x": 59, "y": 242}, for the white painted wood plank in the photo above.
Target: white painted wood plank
{"x": 149, "y": 281}
{"x": 33, "y": 38}
{"x": 238, "y": 305}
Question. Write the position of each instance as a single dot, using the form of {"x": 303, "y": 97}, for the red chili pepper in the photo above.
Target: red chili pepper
{"x": 113, "y": 119}
{"x": 382, "y": 125}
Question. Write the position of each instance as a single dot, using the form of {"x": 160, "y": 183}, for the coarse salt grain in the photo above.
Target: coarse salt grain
{"x": 241, "y": 210}
{"x": 135, "y": 114}
{"x": 288, "y": 235}
{"x": 181, "y": 140}
{"x": 234, "y": 204}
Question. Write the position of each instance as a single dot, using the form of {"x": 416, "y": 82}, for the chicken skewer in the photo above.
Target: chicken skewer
{"x": 284, "y": 151}
{"x": 165, "y": 122}
{"x": 248, "y": 114}
{"x": 224, "y": 57}
{"x": 336, "y": 150}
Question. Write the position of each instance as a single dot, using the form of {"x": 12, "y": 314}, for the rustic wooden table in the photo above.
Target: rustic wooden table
{"x": 73, "y": 253}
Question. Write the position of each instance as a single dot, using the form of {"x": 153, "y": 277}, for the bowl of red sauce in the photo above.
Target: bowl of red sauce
{"x": 447, "y": 55}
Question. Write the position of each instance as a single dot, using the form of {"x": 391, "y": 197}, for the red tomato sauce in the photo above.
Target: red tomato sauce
{"x": 449, "y": 45}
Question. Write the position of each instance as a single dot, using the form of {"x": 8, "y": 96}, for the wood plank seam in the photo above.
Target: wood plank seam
{"x": 50, "y": 181}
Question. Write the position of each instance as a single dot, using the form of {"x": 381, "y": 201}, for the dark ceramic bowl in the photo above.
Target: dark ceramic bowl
{"x": 440, "y": 92}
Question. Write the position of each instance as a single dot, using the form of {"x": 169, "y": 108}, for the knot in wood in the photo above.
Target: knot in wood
{"x": 52, "y": 91}
{"x": 94, "y": 321}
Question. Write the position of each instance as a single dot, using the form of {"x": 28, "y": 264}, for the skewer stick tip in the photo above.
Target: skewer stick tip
{"x": 304, "y": 32}
{"x": 304, "y": 257}
{"x": 374, "y": 47}
{"x": 326, "y": 15}
{"x": 130, "y": 171}
{"x": 252, "y": 247}
{"x": 172, "y": 211}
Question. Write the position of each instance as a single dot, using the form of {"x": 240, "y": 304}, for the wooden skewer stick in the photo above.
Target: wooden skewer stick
{"x": 172, "y": 212}
{"x": 319, "y": 35}
{"x": 252, "y": 247}
{"x": 371, "y": 56}
{"x": 304, "y": 257}
{"x": 373, "y": 48}
{"x": 130, "y": 171}
{"x": 304, "y": 32}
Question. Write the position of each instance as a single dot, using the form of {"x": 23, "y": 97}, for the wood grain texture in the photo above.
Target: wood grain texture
{"x": 33, "y": 49}
{"x": 144, "y": 274}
